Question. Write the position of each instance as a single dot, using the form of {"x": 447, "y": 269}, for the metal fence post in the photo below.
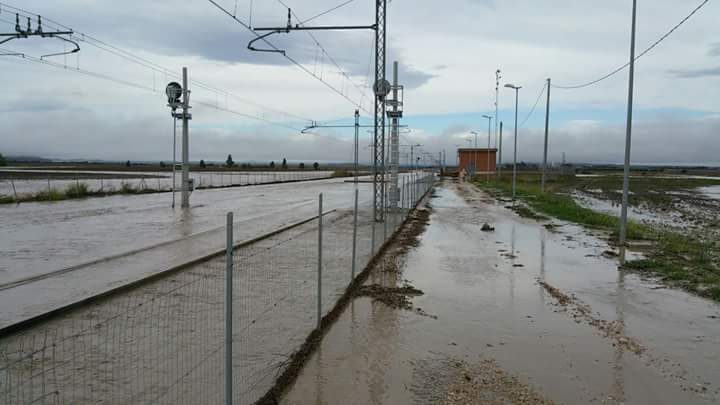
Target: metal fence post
{"x": 319, "y": 279}
{"x": 372, "y": 239}
{"x": 354, "y": 246}
{"x": 228, "y": 309}
{"x": 12, "y": 183}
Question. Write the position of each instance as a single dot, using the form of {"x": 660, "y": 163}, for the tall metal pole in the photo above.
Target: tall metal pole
{"x": 626, "y": 172}
{"x": 547, "y": 126}
{"x": 379, "y": 135}
{"x": 394, "y": 142}
{"x": 228, "y": 309}
{"x": 185, "y": 143}
{"x": 497, "y": 98}
{"x": 500, "y": 151}
{"x": 357, "y": 146}
{"x": 514, "y": 179}
{"x": 319, "y": 263}
{"x": 354, "y": 244}
{"x": 174, "y": 158}
{"x": 487, "y": 179}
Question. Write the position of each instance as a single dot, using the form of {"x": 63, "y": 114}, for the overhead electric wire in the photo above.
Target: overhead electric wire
{"x": 656, "y": 43}
{"x": 327, "y": 11}
{"x": 542, "y": 91}
{"x": 146, "y": 63}
{"x": 295, "y": 62}
{"x": 116, "y": 80}
{"x": 325, "y": 52}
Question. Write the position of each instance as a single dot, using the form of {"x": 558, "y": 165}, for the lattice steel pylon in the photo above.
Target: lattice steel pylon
{"x": 381, "y": 89}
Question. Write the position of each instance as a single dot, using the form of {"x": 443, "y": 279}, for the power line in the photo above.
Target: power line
{"x": 656, "y": 43}
{"x": 295, "y": 62}
{"x": 324, "y": 51}
{"x": 8, "y": 52}
{"x": 542, "y": 91}
{"x": 327, "y": 12}
{"x": 144, "y": 62}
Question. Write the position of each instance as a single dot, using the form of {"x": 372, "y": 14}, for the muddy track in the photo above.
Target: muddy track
{"x": 402, "y": 241}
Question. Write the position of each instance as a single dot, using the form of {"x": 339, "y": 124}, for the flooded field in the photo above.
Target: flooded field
{"x": 32, "y": 181}
{"x": 544, "y": 310}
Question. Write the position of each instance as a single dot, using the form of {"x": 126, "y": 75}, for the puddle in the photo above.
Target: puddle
{"x": 488, "y": 308}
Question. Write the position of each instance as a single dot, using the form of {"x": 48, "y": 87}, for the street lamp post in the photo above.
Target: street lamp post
{"x": 489, "y": 118}
{"x": 475, "y": 165}
{"x": 514, "y": 180}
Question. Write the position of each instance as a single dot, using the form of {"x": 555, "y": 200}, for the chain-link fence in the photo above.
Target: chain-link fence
{"x": 133, "y": 182}
{"x": 175, "y": 339}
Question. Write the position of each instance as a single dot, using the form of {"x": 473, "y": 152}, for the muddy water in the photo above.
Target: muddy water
{"x": 483, "y": 288}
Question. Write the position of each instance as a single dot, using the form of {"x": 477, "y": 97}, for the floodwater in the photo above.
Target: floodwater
{"x": 56, "y": 253}
{"x": 484, "y": 289}
{"x": 115, "y": 181}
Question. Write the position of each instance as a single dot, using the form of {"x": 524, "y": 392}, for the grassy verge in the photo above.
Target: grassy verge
{"x": 74, "y": 191}
{"x": 678, "y": 259}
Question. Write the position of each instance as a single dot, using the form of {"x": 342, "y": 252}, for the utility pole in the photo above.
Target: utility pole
{"x": 357, "y": 144}
{"x": 381, "y": 89}
{"x": 497, "y": 98}
{"x": 185, "y": 199}
{"x": 547, "y": 126}
{"x": 174, "y": 92}
{"x": 628, "y": 136}
{"x": 514, "y": 179}
{"x": 394, "y": 115}
{"x": 487, "y": 174}
{"x": 500, "y": 151}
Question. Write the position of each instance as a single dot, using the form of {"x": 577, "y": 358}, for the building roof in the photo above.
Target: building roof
{"x": 477, "y": 150}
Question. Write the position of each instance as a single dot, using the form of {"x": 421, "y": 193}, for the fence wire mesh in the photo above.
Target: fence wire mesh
{"x": 163, "y": 342}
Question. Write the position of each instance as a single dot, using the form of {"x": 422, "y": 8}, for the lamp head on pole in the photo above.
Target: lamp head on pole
{"x": 512, "y": 86}
{"x": 487, "y": 117}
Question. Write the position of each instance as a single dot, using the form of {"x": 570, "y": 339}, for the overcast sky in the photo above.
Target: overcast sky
{"x": 448, "y": 52}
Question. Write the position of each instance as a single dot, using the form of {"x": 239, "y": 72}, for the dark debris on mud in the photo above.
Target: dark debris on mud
{"x": 395, "y": 297}
{"x": 487, "y": 383}
{"x": 581, "y": 312}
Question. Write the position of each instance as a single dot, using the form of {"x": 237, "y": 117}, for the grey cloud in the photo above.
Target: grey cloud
{"x": 694, "y": 74}
{"x": 714, "y": 49}
{"x": 670, "y": 141}
{"x": 412, "y": 78}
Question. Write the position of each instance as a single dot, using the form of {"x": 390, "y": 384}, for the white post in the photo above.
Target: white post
{"x": 394, "y": 143}
{"x": 354, "y": 244}
{"x": 228, "y": 309}
{"x": 514, "y": 179}
{"x": 628, "y": 135}
{"x": 547, "y": 126}
{"x": 319, "y": 274}
{"x": 174, "y": 187}
{"x": 185, "y": 143}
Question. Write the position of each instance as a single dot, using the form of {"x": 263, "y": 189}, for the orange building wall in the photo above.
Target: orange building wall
{"x": 484, "y": 159}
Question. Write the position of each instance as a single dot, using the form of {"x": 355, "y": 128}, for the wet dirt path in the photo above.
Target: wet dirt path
{"x": 544, "y": 309}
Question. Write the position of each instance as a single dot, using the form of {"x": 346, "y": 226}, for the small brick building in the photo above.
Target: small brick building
{"x": 477, "y": 160}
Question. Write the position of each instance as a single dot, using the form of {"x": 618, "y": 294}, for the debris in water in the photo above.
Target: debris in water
{"x": 487, "y": 228}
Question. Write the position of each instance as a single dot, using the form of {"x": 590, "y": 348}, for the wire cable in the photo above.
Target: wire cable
{"x": 656, "y": 43}
{"x": 144, "y": 62}
{"x": 325, "y": 52}
{"x": 327, "y": 12}
{"x": 8, "y": 52}
{"x": 542, "y": 91}
{"x": 291, "y": 59}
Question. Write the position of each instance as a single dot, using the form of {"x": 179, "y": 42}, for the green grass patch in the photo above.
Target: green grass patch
{"x": 52, "y": 194}
{"x": 678, "y": 259}
{"x": 77, "y": 190}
